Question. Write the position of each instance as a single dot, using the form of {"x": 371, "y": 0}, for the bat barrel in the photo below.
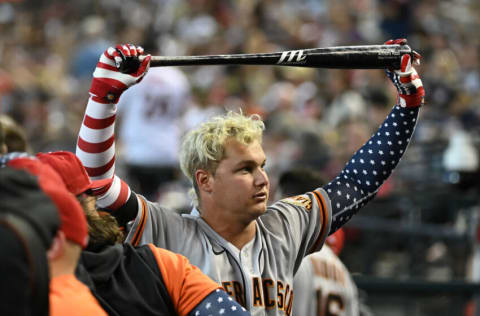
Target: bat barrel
{"x": 358, "y": 57}
{"x": 339, "y": 57}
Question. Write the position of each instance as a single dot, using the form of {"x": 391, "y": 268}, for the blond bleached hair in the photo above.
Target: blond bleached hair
{"x": 204, "y": 147}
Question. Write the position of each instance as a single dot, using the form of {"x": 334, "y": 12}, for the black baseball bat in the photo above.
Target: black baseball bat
{"x": 338, "y": 57}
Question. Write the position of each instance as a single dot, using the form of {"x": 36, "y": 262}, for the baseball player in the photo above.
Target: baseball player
{"x": 252, "y": 250}
{"x": 323, "y": 286}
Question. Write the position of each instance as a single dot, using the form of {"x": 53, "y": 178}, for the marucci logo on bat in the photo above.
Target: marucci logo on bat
{"x": 288, "y": 57}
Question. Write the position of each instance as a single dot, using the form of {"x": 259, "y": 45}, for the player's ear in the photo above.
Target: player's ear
{"x": 203, "y": 179}
{"x": 58, "y": 246}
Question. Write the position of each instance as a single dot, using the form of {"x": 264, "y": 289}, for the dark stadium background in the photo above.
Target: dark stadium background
{"x": 414, "y": 249}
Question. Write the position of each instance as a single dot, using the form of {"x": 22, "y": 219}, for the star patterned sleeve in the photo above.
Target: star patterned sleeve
{"x": 370, "y": 166}
{"x": 219, "y": 303}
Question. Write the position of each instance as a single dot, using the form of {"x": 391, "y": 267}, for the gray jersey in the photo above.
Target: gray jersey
{"x": 260, "y": 275}
{"x": 323, "y": 286}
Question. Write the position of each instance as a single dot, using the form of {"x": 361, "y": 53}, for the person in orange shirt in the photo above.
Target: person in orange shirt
{"x": 143, "y": 280}
{"x": 67, "y": 295}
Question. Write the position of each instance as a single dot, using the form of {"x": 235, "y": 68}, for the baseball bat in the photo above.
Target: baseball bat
{"x": 338, "y": 57}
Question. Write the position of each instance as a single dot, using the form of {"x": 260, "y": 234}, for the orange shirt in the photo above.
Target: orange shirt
{"x": 185, "y": 283}
{"x": 70, "y": 297}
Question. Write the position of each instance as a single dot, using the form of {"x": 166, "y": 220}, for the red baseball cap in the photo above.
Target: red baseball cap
{"x": 72, "y": 171}
{"x": 72, "y": 217}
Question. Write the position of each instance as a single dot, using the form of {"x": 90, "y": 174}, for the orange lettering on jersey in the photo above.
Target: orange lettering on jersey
{"x": 266, "y": 293}
{"x": 267, "y": 285}
{"x": 316, "y": 266}
{"x": 320, "y": 267}
{"x": 288, "y": 309}
{"x": 324, "y": 269}
{"x": 227, "y": 286}
{"x": 280, "y": 297}
{"x": 239, "y": 294}
{"x": 285, "y": 300}
{"x": 300, "y": 200}
{"x": 342, "y": 277}
{"x": 257, "y": 292}
{"x": 334, "y": 273}
{"x": 339, "y": 275}
{"x": 328, "y": 270}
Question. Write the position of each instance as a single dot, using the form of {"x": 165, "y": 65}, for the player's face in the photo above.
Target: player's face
{"x": 240, "y": 183}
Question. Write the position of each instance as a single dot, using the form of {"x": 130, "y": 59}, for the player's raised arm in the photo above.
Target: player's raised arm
{"x": 96, "y": 140}
{"x": 373, "y": 163}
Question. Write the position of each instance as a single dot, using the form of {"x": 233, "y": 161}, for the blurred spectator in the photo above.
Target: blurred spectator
{"x": 15, "y": 136}
{"x": 91, "y": 43}
{"x": 3, "y": 144}
{"x": 155, "y": 280}
{"x": 150, "y": 137}
{"x": 43, "y": 36}
{"x": 26, "y": 237}
{"x": 52, "y": 230}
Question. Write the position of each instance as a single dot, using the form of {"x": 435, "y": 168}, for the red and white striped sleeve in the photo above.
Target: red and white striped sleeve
{"x": 96, "y": 150}
{"x": 96, "y": 140}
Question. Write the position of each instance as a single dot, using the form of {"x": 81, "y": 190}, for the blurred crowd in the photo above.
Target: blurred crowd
{"x": 314, "y": 117}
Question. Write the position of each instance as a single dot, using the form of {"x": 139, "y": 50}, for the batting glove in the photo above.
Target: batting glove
{"x": 409, "y": 86}
{"x": 108, "y": 81}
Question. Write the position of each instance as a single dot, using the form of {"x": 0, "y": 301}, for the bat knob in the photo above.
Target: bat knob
{"x": 405, "y": 49}
{"x": 129, "y": 65}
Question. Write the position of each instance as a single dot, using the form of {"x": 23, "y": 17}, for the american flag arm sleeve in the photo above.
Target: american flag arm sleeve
{"x": 371, "y": 165}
